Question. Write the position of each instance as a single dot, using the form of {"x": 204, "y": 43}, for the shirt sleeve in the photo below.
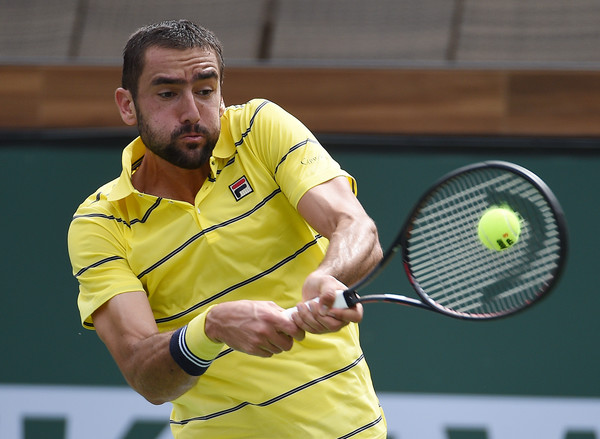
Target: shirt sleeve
{"x": 291, "y": 152}
{"x": 98, "y": 256}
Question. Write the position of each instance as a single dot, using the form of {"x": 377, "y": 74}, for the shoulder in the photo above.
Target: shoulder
{"x": 264, "y": 120}
{"x": 98, "y": 200}
{"x": 254, "y": 111}
{"x": 98, "y": 212}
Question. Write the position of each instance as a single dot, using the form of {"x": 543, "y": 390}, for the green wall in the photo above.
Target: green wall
{"x": 551, "y": 349}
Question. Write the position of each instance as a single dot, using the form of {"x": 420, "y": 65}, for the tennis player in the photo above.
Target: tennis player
{"x": 220, "y": 219}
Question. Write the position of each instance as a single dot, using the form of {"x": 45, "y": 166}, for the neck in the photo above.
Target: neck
{"x": 157, "y": 177}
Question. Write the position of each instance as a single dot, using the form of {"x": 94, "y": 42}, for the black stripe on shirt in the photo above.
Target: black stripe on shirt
{"x": 292, "y": 149}
{"x": 272, "y": 400}
{"x": 245, "y": 133}
{"x": 148, "y": 212}
{"x": 242, "y": 283}
{"x": 207, "y": 230}
{"x": 362, "y": 428}
{"x": 136, "y": 164}
{"x": 121, "y": 220}
{"x": 230, "y": 162}
{"x": 96, "y": 264}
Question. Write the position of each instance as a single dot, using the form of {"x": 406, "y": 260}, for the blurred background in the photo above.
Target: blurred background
{"x": 330, "y": 32}
{"x": 400, "y": 92}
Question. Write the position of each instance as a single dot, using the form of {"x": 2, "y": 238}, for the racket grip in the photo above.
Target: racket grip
{"x": 340, "y": 302}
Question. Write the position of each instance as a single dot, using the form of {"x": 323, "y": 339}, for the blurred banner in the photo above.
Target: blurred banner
{"x": 116, "y": 412}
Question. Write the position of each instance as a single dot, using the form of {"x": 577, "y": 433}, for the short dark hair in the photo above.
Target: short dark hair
{"x": 172, "y": 34}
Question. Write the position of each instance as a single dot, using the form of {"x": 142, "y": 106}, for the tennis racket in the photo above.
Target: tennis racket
{"x": 452, "y": 272}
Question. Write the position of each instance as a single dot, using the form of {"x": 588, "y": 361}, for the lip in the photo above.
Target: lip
{"x": 194, "y": 137}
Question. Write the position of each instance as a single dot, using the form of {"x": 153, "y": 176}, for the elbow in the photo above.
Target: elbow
{"x": 155, "y": 394}
{"x": 377, "y": 254}
{"x": 376, "y": 251}
{"x": 155, "y": 397}
{"x": 158, "y": 394}
{"x": 156, "y": 400}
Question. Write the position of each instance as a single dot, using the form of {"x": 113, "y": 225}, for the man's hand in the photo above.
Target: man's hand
{"x": 253, "y": 327}
{"x": 319, "y": 318}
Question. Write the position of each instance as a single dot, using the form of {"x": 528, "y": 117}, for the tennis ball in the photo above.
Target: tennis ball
{"x": 499, "y": 228}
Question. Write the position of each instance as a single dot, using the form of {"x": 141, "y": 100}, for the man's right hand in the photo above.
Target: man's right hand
{"x": 253, "y": 327}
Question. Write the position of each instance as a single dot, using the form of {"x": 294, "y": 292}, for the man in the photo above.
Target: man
{"x": 221, "y": 219}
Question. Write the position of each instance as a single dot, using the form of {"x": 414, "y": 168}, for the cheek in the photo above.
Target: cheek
{"x": 159, "y": 118}
{"x": 212, "y": 118}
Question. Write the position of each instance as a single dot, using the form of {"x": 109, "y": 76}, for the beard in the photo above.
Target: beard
{"x": 183, "y": 154}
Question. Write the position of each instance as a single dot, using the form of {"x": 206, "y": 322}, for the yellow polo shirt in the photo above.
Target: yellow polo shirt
{"x": 242, "y": 239}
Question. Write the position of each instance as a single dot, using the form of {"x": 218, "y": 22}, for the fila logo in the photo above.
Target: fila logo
{"x": 240, "y": 188}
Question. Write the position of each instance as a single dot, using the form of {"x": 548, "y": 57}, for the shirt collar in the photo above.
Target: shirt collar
{"x": 225, "y": 147}
{"x": 133, "y": 153}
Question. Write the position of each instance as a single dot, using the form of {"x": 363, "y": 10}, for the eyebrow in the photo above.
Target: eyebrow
{"x": 201, "y": 76}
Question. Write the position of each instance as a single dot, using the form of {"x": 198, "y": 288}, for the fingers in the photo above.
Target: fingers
{"x": 277, "y": 334}
{"x": 348, "y": 315}
{"x": 275, "y": 345}
{"x": 252, "y": 327}
{"x": 288, "y": 327}
{"x": 266, "y": 344}
{"x": 319, "y": 318}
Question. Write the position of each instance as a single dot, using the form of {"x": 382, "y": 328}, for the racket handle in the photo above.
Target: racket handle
{"x": 340, "y": 302}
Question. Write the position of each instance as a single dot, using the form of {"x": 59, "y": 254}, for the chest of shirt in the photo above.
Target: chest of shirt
{"x": 240, "y": 214}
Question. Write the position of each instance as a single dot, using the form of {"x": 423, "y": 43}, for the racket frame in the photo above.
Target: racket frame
{"x": 400, "y": 242}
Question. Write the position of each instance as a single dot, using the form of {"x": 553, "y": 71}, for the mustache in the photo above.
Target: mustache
{"x": 190, "y": 129}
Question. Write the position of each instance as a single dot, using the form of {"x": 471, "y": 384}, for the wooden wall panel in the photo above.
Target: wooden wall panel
{"x": 58, "y": 97}
{"x": 380, "y": 101}
{"x": 360, "y": 100}
{"x": 554, "y": 102}
{"x": 20, "y": 95}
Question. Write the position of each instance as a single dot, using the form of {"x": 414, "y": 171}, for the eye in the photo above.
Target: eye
{"x": 205, "y": 91}
{"x": 166, "y": 94}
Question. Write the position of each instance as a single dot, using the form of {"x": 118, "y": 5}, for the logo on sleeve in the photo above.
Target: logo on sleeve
{"x": 240, "y": 188}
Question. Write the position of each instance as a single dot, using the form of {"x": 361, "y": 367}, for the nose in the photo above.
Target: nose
{"x": 189, "y": 111}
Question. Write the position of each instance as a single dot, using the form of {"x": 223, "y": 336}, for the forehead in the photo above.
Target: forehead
{"x": 183, "y": 64}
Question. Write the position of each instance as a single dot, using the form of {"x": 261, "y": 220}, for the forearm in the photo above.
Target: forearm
{"x": 333, "y": 210}
{"x": 353, "y": 250}
{"x": 150, "y": 370}
{"x": 163, "y": 366}
{"x": 126, "y": 326}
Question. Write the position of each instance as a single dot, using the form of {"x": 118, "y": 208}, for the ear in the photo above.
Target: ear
{"x": 222, "y": 108}
{"x": 126, "y": 106}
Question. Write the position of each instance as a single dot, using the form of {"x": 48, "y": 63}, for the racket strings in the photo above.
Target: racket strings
{"x": 452, "y": 267}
